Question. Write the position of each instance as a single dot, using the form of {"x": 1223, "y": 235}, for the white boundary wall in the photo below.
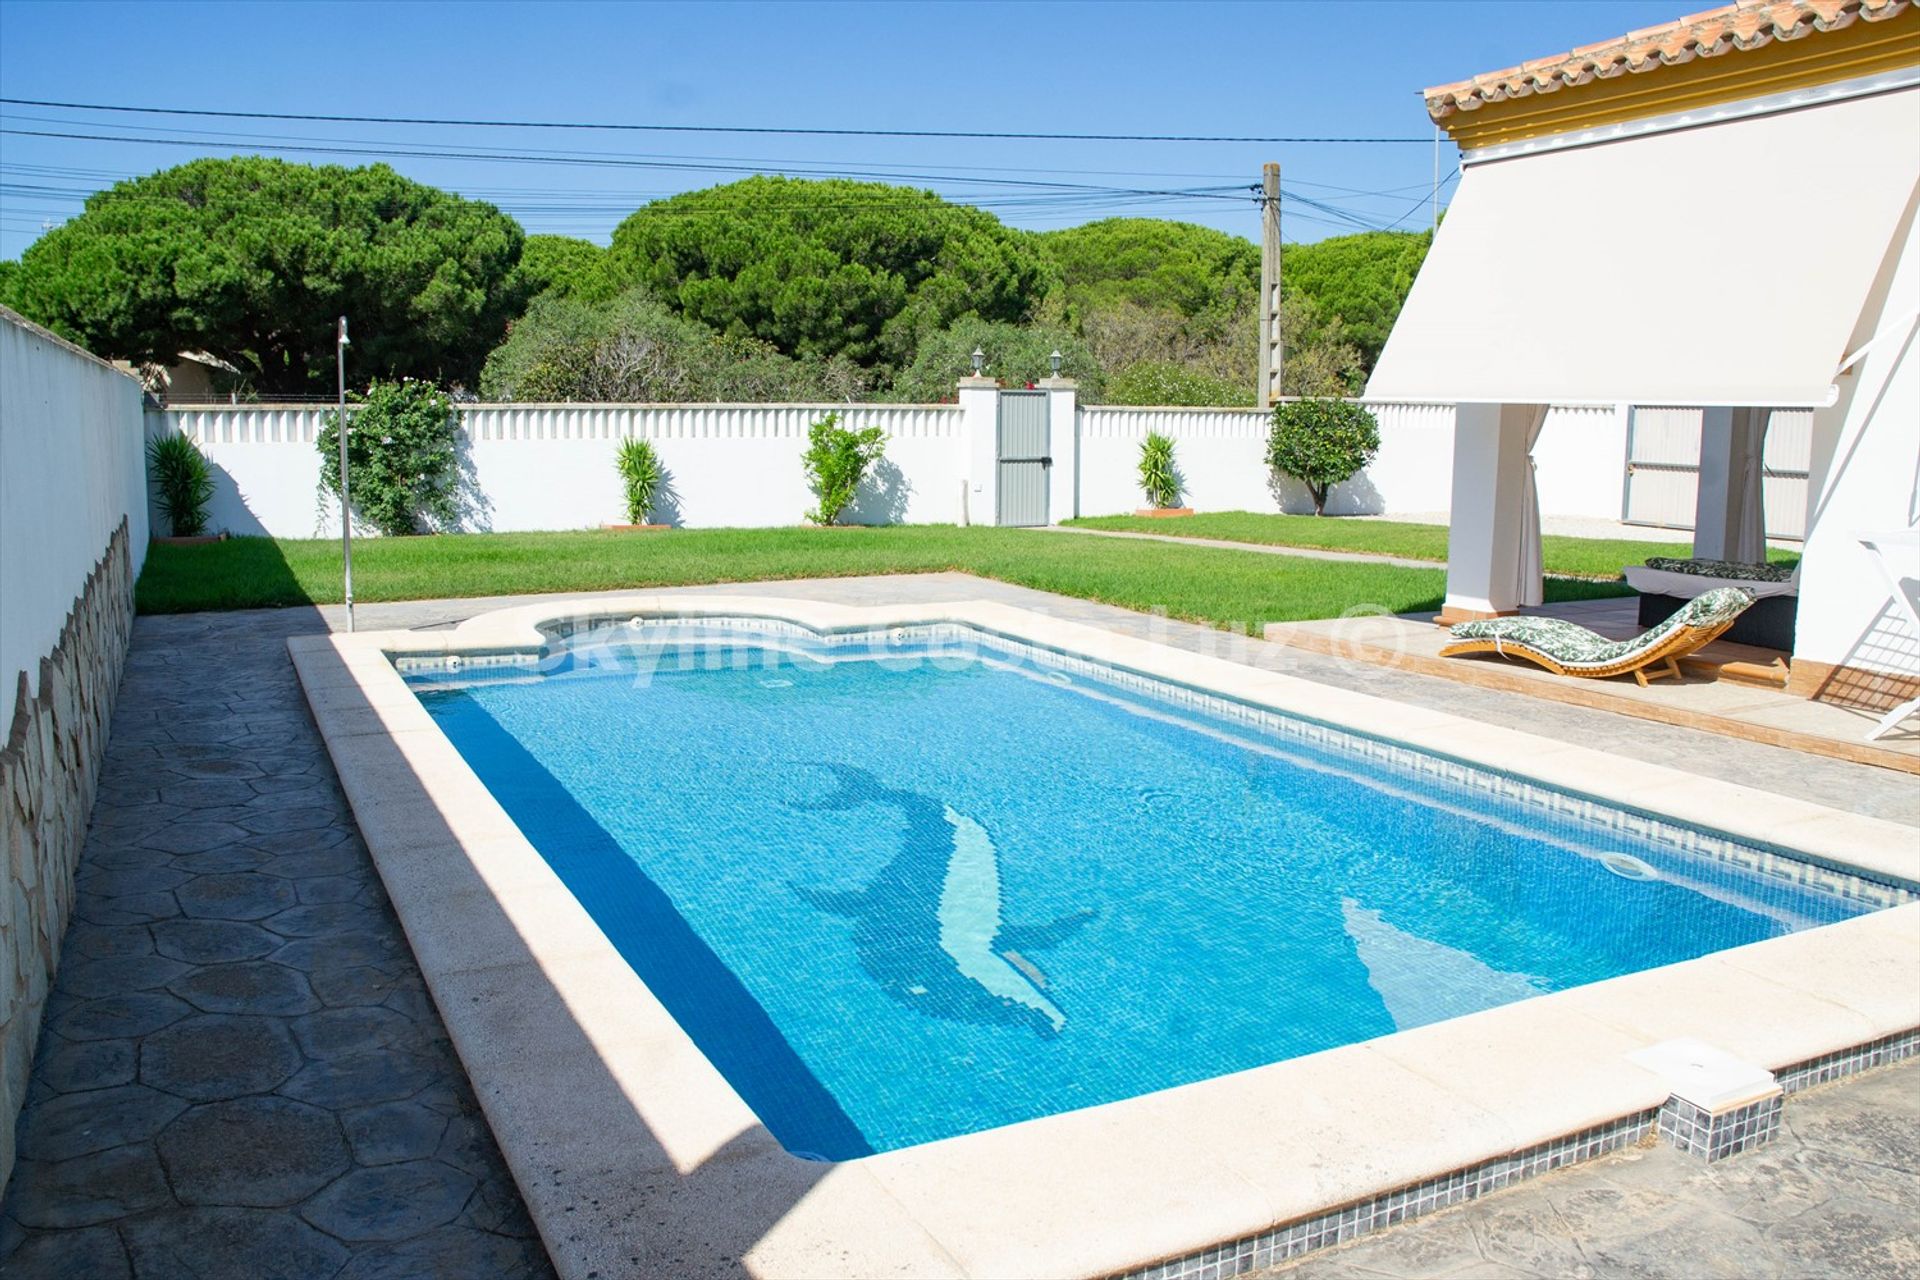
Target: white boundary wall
{"x": 72, "y": 467}
{"x": 1221, "y": 456}
{"x": 527, "y": 467}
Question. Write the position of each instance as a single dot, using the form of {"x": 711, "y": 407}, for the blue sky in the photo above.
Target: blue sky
{"x": 1318, "y": 69}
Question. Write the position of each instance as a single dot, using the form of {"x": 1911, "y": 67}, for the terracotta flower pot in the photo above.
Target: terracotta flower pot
{"x": 1162, "y": 513}
{"x": 635, "y": 528}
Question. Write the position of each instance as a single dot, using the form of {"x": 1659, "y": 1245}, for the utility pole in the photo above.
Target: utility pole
{"x": 1272, "y": 349}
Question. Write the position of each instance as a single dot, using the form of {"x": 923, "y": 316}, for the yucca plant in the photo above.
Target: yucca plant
{"x": 1157, "y": 474}
{"x": 182, "y": 483}
{"x": 640, "y": 472}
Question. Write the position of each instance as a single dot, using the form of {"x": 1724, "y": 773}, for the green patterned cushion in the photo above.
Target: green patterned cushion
{"x": 1572, "y": 645}
{"x": 1723, "y": 569}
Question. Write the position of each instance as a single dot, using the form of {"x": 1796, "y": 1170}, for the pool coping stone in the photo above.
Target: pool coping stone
{"x": 634, "y": 1154}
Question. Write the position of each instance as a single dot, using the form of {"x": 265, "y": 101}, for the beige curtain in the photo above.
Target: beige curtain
{"x": 1750, "y": 539}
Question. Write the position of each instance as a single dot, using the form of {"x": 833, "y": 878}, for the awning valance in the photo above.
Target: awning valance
{"x": 1722, "y": 264}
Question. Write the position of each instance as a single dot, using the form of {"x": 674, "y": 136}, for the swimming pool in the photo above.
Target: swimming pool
{"x": 920, "y": 883}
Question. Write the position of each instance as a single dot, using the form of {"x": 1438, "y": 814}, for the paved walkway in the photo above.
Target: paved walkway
{"x": 1579, "y": 527}
{"x": 241, "y": 1074}
{"x": 1836, "y": 1194}
{"x": 1265, "y": 549}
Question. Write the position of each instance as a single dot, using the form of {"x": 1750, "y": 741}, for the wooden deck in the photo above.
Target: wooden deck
{"x": 1727, "y": 688}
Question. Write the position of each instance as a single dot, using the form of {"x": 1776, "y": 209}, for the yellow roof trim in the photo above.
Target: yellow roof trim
{"x": 1779, "y": 66}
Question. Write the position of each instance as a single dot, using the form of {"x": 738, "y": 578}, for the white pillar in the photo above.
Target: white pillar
{"x": 1490, "y": 444}
{"x": 1063, "y": 444}
{"x": 980, "y": 414}
{"x": 1728, "y": 523}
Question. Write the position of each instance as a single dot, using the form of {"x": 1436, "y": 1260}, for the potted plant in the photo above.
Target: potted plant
{"x": 1160, "y": 478}
{"x": 182, "y": 486}
{"x": 640, "y": 477}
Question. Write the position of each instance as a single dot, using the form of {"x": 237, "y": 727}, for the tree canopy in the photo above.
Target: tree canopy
{"x": 252, "y": 260}
{"x": 1153, "y": 263}
{"x": 567, "y": 266}
{"x": 635, "y": 348}
{"x": 830, "y": 268}
{"x": 767, "y": 288}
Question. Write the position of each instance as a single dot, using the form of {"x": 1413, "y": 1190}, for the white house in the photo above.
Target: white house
{"x": 1721, "y": 213}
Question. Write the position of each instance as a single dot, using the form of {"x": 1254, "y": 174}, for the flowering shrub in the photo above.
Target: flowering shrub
{"x": 403, "y": 468}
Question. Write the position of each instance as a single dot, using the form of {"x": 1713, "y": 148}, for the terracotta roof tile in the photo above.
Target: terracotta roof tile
{"x": 1745, "y": 25}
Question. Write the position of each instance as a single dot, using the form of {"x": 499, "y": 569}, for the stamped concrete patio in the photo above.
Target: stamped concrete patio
{"x": 1836, "y": 1194}
{"x": 242, "y": 1075}
{"x": 240, "y": 1072}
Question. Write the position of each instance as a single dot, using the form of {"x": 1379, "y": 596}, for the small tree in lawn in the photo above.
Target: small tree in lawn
{"x": 1321, "y": 443}
{"x": 836, "y": 460}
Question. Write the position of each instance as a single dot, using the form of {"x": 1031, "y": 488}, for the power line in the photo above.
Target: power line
{"x": 787, "y": 130}
{"x": 1051, "y": 170}
{"x": 612, "y": 160}
{"x": 1434, "y": 195}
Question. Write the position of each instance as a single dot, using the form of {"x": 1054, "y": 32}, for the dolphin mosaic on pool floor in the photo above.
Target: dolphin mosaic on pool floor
{"x": 240, "y": 1072}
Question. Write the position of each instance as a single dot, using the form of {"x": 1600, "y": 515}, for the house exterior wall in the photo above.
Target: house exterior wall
{"x": 1865, "y": 479}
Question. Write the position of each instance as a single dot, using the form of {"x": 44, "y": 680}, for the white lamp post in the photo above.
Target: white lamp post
{"x": 346, "y": 511}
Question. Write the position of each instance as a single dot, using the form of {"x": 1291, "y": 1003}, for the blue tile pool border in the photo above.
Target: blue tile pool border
{"x": 1338, "y": 1226}
{"x": 1350, "y": 1222}
{"x": 1790, "y": 866}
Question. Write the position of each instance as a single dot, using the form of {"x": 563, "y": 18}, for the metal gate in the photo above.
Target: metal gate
{"x": 1663, "y": 468}
{"x": 1023, "y": 459}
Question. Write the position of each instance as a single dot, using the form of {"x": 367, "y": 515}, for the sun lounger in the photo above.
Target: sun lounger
{"x": 1569, "y": 650}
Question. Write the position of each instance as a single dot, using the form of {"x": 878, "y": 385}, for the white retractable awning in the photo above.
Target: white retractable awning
{"x": 1724, "y": 264}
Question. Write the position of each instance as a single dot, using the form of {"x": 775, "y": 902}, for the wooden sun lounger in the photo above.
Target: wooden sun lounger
{"x": 1570, "y": 650}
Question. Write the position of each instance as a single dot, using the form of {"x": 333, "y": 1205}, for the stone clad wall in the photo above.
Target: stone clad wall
{"x": 49, "y": 769}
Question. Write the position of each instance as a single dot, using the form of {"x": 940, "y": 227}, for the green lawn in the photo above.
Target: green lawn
{"x": 1204, "y": 584}
{"x": 1579, "y": 557}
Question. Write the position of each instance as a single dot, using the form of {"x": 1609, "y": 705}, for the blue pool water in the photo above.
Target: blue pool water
{"x": 899, "y": 900}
